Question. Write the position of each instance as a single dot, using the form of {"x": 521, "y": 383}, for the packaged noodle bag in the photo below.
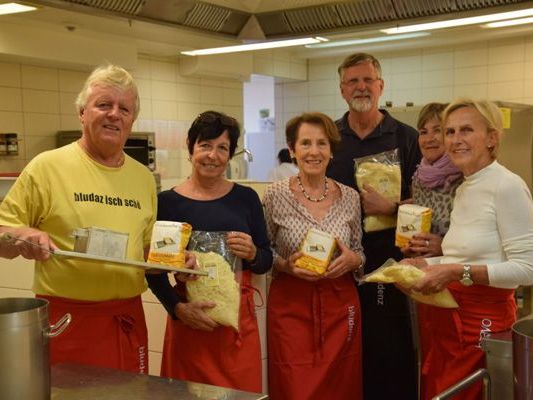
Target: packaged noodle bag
{"x": 222, "y": 285}
{"x": 406, "y": 276}
{"x": 219, "y": 287}
{"x": 412, "y": 219}
{"x": 381, "y": 171}
{"x": 168, "y": 243}
{"x": 317, "y": 248}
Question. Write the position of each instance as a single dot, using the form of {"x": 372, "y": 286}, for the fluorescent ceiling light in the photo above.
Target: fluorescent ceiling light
{"x": 254, "y": 46}
{"x": 12, "y": 8}
{"x": 500, "y": 24}
{"x": 350, "y": 42}
{"x": 460, "y": 22}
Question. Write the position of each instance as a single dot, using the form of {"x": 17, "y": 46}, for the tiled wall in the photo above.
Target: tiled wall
{"x": 498, "y": 70}
{"x": 36, "y": 102}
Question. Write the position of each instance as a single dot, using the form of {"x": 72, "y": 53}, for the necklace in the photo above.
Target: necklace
{"x": 306, "y": 195}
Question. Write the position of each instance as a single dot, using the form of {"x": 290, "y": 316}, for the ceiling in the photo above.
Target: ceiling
{"x": 165, "y": 27}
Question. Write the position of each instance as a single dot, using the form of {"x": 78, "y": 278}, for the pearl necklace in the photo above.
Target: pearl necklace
{"x": 307, "y": 196}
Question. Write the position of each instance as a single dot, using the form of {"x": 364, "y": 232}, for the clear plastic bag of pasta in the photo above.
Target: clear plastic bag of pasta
{"x": 406, "y": 276}
{"x": 222, "y": 285}
{"x": 381, "y": 171}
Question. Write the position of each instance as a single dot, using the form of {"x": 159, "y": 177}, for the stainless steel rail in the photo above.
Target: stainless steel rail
{"x": 466, "y": 382}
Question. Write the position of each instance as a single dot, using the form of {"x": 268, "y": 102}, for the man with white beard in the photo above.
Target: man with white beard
{"x": 389, "y": 358}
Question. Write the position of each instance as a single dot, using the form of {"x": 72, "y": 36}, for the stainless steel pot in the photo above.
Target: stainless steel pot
{"x": 24, "y": 354}
{"x": 523, "y": 359}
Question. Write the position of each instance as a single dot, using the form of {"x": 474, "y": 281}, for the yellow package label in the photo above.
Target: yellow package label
{"x": 168, "y": 243}
{"x": 412, "y": 219}
{"x": 317, "y": 249}
{"x": 386, "y": 179}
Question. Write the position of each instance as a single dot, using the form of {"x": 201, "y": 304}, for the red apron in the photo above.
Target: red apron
{"x": 314, "y": 339}
{"x": 457, "y": 335}
{"x": 108, "y": 334}
{"x": 222, "y": 357}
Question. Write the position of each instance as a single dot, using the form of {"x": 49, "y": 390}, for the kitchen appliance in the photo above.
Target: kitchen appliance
{"x": 523, "y": 359}
{"x": 24, "y": 353}
{"x": 140, "y": 145}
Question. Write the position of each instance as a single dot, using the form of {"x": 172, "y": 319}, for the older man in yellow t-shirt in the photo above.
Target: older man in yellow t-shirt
{"x": 91, "y": 182}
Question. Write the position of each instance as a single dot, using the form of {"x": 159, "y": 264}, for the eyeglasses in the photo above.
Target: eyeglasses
{"x": 355, "y": 81}
{"x": 209, "y": 118}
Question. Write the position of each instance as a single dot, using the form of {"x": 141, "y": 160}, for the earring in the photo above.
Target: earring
{"x": 490, "y": 148}
{"x": 331, "y": 157}
{"x": 189, "y": 157}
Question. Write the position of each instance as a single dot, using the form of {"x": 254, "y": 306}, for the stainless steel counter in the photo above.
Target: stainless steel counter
{"x": 80, "y": 382}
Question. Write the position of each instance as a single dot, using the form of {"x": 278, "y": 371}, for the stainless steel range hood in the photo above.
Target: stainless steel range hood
{"x": 210, "y": 17}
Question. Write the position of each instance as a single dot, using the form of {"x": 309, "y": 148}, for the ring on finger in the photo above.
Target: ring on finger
{"x": 427, "y": 243}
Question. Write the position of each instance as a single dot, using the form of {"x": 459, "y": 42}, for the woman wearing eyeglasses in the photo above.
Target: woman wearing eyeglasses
{"x": 196, "y": 348}
{"x": 314, "y": 321}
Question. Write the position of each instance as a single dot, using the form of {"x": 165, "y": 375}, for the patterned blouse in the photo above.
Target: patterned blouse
{"x": 288, "y": 220}
{"x": 440, "y": 202}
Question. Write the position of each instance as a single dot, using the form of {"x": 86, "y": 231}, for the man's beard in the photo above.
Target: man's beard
{"x": 361, "y": 105}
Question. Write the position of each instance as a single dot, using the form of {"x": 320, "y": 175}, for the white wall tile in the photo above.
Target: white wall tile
{"x": 69, "y": 122}
{"x": 471, "y": 56}
{"x": 210, "y": 95}
{"x": 16, "y": 273}
{"x": 506, "y": 72}
{"x": 146, "y": 109}
{"x": 475, "y": 91}
{"x": 232, "y": 97}
{"x": 322, "y": 71}
{"x": 506, "y": 90}
{"x": 10, "y": 99}
{"x": 71, "y": 81}
{"x": 528, "y": 52}
{"x": 162, "y": 90}
{"x": 405, "y": 64}
{"x": 144, "y": 86}
{"x": 437, "y": 61}
{"x": 528, "y": 88}
{"x": 40, "y": 101}
{"x": 10, "y": 75}
{"x": 156, "y": 317}
{"x": 187, "y": 92}
{"x": 506, "y": 54}
{"x": 282, "y": 68}
{"x": 403, "y": 96}
{"x": 471, "y": 75}
{"x": 163, "y": 71}
{"x": 296, "y": 105}
{"x": 11, "y": 122}
{"x": 323, "y": 87}
{"x": 189, "y": 111}
{"x": 143, "y": 69}
{"x": 322, "y": 103}
{"x": 439, "y": 94}
{"x": 164, "y": 110}
{"x": 437, "y": 78}
{"x": 66, "y": 103}
{"x": 407, "y": 80}
{"x": 154, "y": 363}
{"x": 528, "y": 69}
{"x": 298, "y": 89}
{"x": 41, "y": 124}
{"x": 40, "y": 78}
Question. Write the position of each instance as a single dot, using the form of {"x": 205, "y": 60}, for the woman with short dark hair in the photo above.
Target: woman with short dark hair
{"x": 196, "y": 348}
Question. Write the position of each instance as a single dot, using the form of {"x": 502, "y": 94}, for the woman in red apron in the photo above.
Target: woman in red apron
{"x": 487, "y": 252}
{"x": 196, "y": 348}
{"x": 314, "y": 328}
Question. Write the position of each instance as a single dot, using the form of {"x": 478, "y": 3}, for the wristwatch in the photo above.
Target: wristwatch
{"x": 466, "y": 280}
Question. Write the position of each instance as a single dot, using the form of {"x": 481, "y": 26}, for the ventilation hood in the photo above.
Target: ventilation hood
{"x": 234, "y": 19}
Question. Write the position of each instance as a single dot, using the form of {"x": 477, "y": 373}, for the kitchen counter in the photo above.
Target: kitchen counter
{"x": 80, "y": 382}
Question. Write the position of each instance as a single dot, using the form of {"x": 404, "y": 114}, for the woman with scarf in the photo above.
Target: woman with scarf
{"x": 434, "y": 184}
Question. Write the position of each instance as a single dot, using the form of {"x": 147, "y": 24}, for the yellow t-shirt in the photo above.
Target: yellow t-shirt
{"x": 64, "y": 189}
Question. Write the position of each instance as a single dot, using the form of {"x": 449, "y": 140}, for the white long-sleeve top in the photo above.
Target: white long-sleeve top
{"x": 492, "y": 224}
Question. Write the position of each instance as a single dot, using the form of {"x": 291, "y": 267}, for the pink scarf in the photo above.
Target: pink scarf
{"x": 442, "y": 173}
